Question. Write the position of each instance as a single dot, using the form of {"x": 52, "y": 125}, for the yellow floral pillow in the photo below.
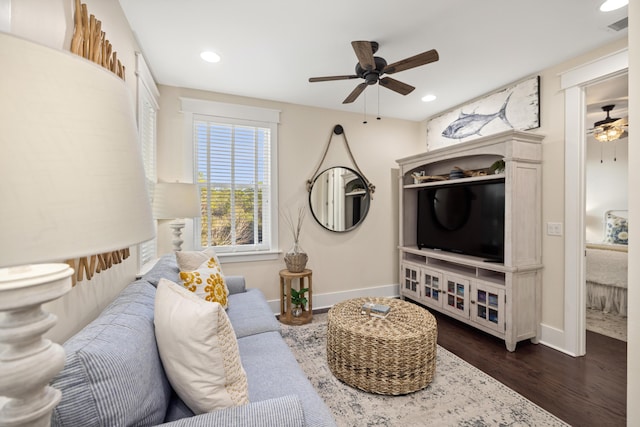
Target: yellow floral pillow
{"x": 207, "y": 282}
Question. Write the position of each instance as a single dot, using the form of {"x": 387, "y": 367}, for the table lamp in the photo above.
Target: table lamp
{"x": 176, "y": 200}
{"x": 72, "y": 185}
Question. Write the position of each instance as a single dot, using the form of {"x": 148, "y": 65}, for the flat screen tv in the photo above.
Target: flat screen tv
{"x": 465, "y": 218}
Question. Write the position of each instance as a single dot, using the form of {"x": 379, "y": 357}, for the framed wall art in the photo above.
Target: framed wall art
{"x": 516, "y": 106}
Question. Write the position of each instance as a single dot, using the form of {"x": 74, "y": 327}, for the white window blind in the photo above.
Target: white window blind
{"x": 233, "y": 170}
{"x": 147, "y": 128}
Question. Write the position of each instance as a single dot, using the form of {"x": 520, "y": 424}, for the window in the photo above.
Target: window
{"x": 235, "y": 169}
{"x": 147, "y": 117}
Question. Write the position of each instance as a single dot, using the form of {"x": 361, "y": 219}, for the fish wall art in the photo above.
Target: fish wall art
{"x": 516, "y": 106}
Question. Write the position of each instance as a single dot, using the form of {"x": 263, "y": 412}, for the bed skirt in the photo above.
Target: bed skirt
{"x": 609, "y": 299}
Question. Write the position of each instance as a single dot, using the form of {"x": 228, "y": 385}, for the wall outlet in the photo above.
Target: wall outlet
{"x": 554, "y": 228}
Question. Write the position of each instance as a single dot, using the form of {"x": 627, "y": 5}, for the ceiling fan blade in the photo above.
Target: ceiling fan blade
{"x": 364, "y": 52}
{"x": 414, "y": 61}
{"x": 355, "y": 93}
{"x": 397, "y": 86}
{"x": 621, "y": 122}
{"x": 329, "y": 78}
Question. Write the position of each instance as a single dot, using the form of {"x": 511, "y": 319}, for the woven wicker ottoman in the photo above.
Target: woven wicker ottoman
{"x": 395, "y": 355}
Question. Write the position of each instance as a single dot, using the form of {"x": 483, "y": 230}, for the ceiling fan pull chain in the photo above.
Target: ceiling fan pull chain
{"x": 364, "y": 99}
{"x": 378, "y": 116}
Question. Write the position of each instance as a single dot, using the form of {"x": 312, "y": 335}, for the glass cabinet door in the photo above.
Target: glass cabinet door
{"x": 432, "y": 287}
{"x": 457, "y": 295}
{"x": 411, "y": 280}
{"x": 488, "y": 302}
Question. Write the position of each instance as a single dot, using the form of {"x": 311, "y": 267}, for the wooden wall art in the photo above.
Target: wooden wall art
{"x": 89, "y": 41}
{"x": 94, "y": 264}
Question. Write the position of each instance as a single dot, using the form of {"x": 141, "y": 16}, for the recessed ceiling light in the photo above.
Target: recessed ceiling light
{"x": 610, "y": 5}
{"x": 428, "y": 98}
{"x": 210, "y": 56}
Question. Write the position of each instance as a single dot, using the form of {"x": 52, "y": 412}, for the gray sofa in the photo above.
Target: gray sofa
{"x": 113, "y": 375}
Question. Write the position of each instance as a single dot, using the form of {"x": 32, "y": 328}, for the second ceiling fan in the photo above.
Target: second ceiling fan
{"x": 371, "y": 68}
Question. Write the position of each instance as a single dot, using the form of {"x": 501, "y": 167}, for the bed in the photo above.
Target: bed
{"x": 606, "y": 272}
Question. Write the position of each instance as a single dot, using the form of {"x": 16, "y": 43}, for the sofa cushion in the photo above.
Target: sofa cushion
{"x": 207, "y": 281}
{"x": 250, "y": 313}
{"x": 198, "y": 349}
{"x": 272, "y": 371}
{"x": 283, "y": 411}
{"x": 165, "y": 268}
{"x": 113, "y": 375}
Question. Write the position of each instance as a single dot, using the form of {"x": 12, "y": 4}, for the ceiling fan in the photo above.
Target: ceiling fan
{"x": 610, "y": 128}
{"x": 371, "y": 68}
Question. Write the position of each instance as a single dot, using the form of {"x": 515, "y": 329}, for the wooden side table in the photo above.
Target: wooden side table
{"x": 286, "y": 278}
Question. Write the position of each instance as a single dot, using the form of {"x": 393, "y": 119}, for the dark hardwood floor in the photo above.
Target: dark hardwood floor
{"x": 582, "y": 391}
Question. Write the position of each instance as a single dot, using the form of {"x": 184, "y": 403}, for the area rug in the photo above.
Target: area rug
{"x": 608, "y": 324}
{"x": 459, "y": 395}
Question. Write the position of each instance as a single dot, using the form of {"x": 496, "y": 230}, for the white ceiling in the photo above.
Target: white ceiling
{"x": 614, "y": 91}
{"x": 270, "y": 48}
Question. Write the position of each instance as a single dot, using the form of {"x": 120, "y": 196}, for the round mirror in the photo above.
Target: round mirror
{"x": 339, "y": 199}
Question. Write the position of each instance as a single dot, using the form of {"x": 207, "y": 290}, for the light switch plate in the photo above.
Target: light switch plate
{"x": 554, "y": 228}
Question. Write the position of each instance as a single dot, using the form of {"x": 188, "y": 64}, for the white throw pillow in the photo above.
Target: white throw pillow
{"x": 192, "y": 260}
{"x": 207, "y": 282}
{"x": 199, "y": 350}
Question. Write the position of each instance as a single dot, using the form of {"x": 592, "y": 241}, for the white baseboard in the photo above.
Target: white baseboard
{"x": 328, "y": 300}
{"x": 554, "y": 338}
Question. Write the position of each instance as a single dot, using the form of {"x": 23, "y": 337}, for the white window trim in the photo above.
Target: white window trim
{"x": 227, "y": 113}
{"x": 147, "y": 91}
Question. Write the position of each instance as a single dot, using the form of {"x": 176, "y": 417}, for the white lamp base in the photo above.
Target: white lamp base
{"x": 27, "y": 361}
{"x": 177, "y": 241}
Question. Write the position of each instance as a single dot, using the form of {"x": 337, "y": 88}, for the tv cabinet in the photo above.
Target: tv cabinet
{"x": 500, "y": 298}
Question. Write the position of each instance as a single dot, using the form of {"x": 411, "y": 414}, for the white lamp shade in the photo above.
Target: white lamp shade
{"x": 71, "y": 177}
{"x": 173, "y": 200}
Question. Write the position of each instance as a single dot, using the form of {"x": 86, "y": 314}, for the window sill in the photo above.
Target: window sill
{"x": 230, "y": 257}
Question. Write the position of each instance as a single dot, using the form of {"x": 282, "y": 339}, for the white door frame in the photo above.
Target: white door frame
{"x": 574, "y": 83}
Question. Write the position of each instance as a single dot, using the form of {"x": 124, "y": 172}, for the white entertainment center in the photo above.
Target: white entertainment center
{"x": 500, "y": 298}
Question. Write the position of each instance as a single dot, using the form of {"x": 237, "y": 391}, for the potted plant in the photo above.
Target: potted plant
{"x": 497, "y": 166}
{"x": 299, "y": 301}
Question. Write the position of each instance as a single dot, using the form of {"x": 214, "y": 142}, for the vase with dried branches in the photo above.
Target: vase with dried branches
{"x": 296, "y": 258}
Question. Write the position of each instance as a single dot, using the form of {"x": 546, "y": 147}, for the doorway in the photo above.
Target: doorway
{"x": 606, "y": 209}
{"x": 574, "y": 83}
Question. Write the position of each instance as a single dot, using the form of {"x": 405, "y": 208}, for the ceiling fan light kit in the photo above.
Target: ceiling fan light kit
{"x": 610, "y": 128}
{"x": 371, "y": 68}
{"x": 608, "y": 134}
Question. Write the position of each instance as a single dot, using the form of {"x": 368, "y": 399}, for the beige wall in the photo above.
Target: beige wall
{"x": 363, "y": 258}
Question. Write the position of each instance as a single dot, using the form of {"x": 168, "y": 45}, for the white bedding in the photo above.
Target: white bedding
{"x": 607, "y": 279}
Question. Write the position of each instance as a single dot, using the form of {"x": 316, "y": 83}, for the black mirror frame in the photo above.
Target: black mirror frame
{"x": 367, "y": 198}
